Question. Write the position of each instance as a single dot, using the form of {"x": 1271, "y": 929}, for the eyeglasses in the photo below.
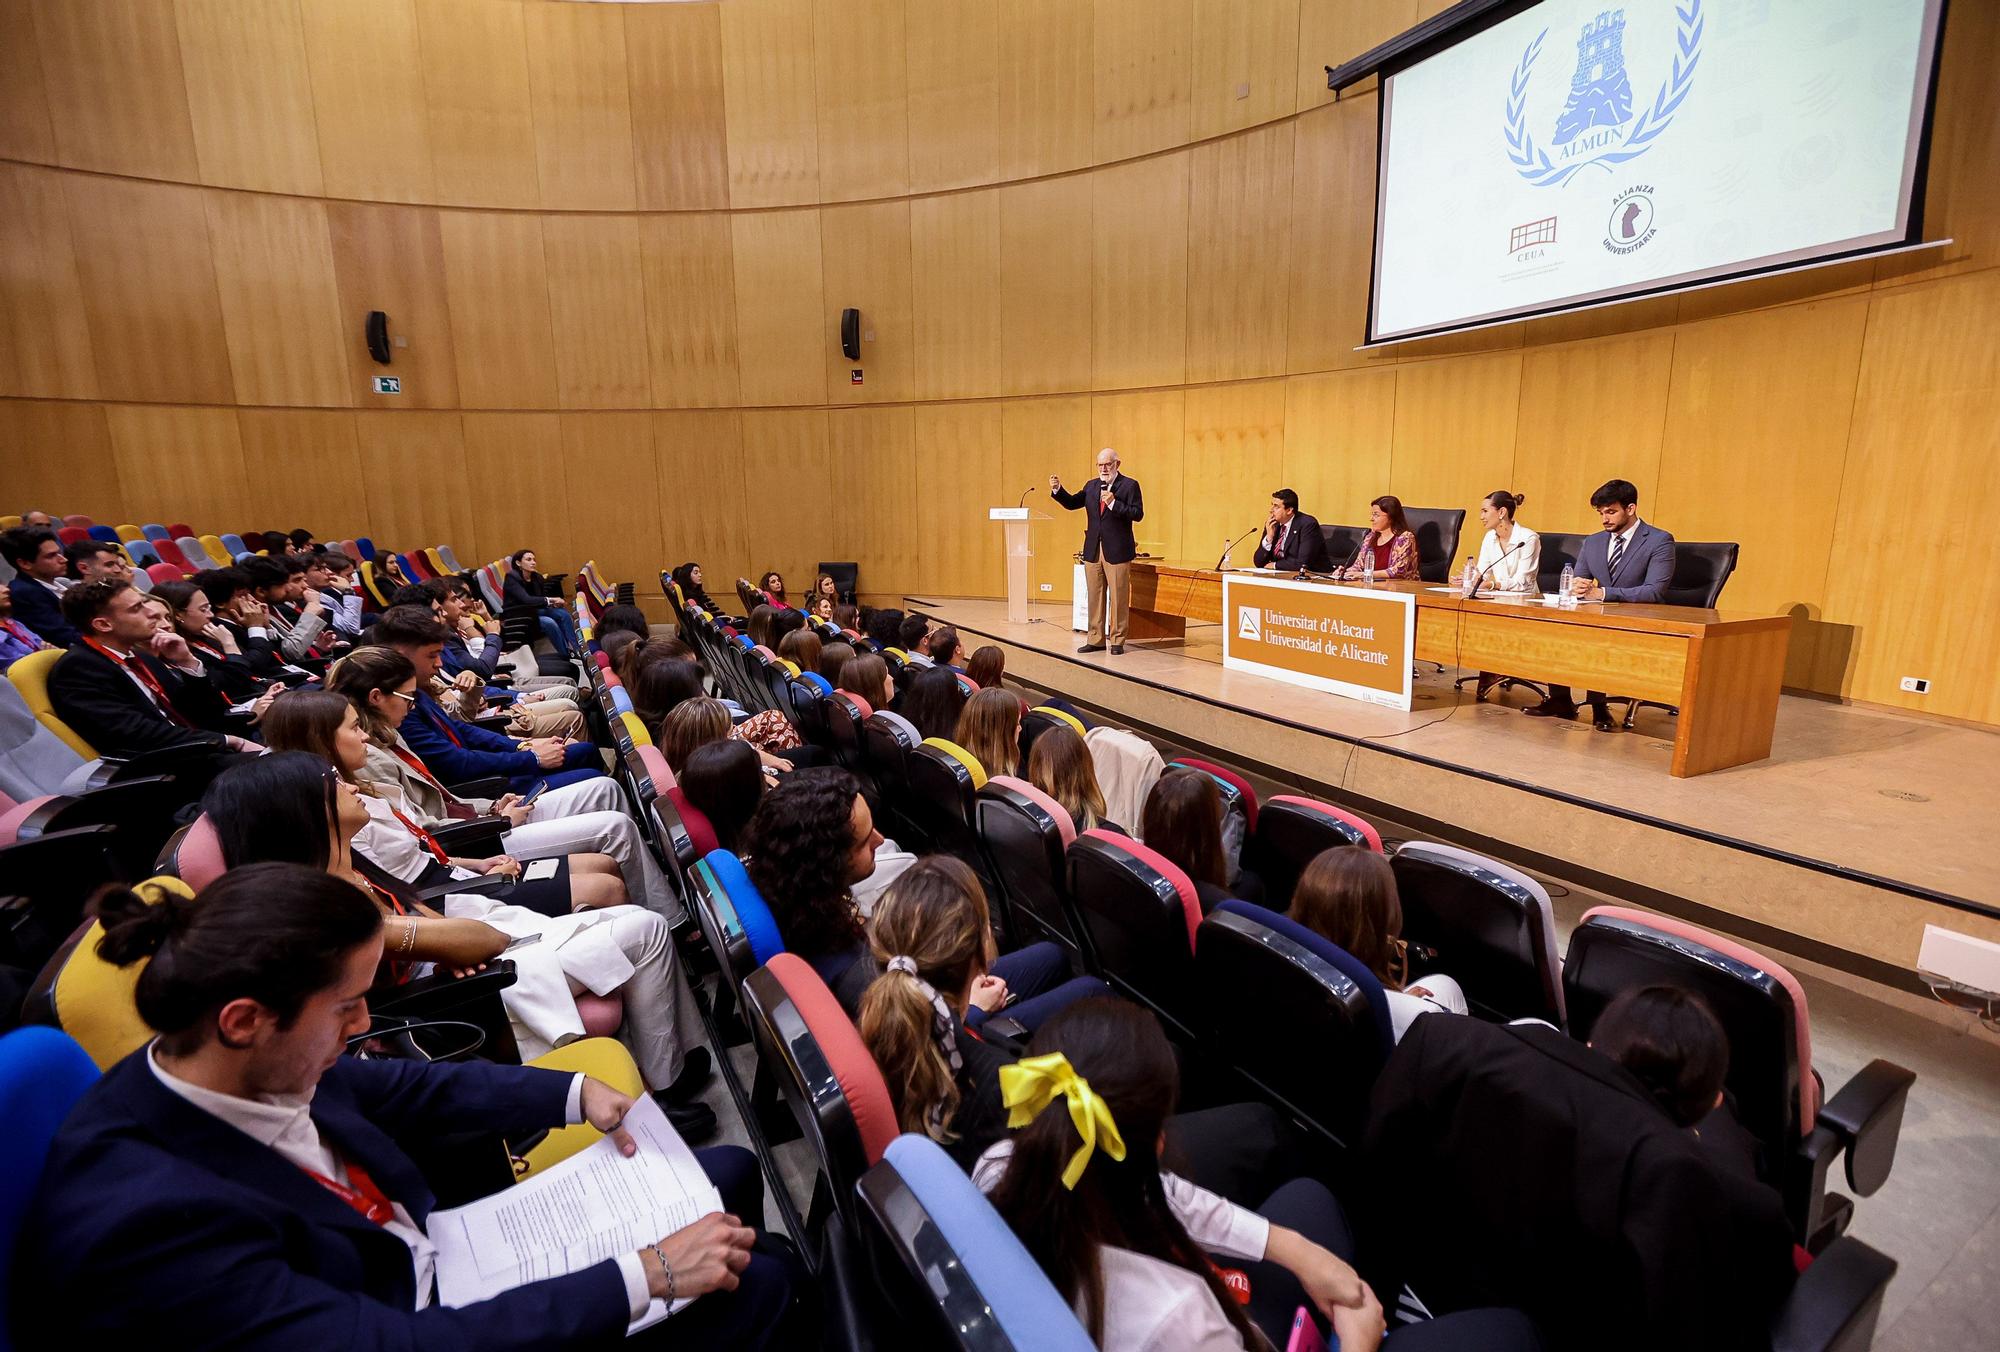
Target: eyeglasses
{"x": 400, "y": 695}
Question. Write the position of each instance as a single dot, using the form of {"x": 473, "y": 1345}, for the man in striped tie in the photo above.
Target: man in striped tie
{"x": 1631, "y": 561}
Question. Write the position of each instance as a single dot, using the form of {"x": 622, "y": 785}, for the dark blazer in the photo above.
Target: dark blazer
{"x": 458, "y": 751}
{"x": 1305, "y": 547}
{"x": 1643, "y": 573}
{"x": 1515, "y": 1166}
{"x": 158, "y": 1225}
{"x": 110, "y": 711}
{"x": 41, "y": 610}
{"x": 1112, "y": 530}
{"x": 515, "y": 591}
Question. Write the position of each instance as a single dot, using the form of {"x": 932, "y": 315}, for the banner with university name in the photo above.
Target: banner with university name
{"x": 1351, "y": 641}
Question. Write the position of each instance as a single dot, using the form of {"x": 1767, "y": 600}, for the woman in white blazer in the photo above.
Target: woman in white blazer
{"x": 1510, "y": 557}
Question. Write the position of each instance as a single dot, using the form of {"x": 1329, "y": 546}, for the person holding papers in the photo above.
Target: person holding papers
{"x": 240, "y": 1183}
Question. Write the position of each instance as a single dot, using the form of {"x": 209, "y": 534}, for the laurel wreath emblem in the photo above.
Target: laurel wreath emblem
{"x": 1533, "y": 163}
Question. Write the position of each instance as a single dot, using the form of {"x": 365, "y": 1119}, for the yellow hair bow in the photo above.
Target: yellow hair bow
{"x": 1032, "y": 1083}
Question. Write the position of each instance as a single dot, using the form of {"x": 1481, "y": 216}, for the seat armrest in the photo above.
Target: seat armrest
{"x": 1835, "y": 1302}
{"x": 492, "y": 786}
{"x": 1009, "y": 1035}
{"x": 467, "y": 838}
{"x": 1866, "y": 1117}
{"x": 485, "y": 885}
{"x": 441, "y": 990}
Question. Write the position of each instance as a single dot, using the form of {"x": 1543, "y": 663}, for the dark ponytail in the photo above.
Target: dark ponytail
{"x": 274, "y": 933}
{"x": 1509, "y": 503}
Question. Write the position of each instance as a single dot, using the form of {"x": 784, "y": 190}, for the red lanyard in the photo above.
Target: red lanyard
{"x": 147, "y": 679}
{"x": 443, "y": 725}
{"x": 429, "y": 841}
{"x": 423, "y": 771}
{"x": 32, "y": 640}
{"x": 365, "y": 1196}
{"x": 399, "y": 969}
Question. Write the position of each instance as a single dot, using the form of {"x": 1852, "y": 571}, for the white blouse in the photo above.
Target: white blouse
{"x": 1516, "y": 572}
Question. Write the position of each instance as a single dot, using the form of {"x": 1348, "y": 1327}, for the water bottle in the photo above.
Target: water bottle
{"x": 1367, "y": 567}
{"x": 1468, "y": 576}
{"x": 1569, "y": 576}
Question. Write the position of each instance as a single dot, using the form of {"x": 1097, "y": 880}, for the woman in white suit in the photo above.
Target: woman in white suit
{"x": 1510, "y": 557}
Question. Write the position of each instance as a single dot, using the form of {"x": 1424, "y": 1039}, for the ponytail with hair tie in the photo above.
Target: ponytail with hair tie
{"x": 1032, "y": 1083}
{"x": 943, "y": 1028}
{"x": 137, "y": 922}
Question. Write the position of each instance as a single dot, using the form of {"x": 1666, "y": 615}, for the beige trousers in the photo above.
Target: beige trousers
{"x": 1115, "y": 578}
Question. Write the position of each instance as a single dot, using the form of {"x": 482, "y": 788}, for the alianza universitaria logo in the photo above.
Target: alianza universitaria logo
{"x": 1599, "y": 125}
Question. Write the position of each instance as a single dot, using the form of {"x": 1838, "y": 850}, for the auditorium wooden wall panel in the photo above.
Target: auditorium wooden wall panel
{"x": 1243, "y": 44}
{"x": 767, "y": 85}
{"x": 391, "y": 259}
{"x": 679, "y": 129}
{"x": 1333, "y": 229}
{"x": 1148, "y": 429}
{"x": 1455, "y": 430}
{"x": 183, "y": 464}
{"x": 785, "y": 450}
{"x": 149, "y": 294}
{"x": 1141, "y": 72}
{"x": 578, "y": 75}
{"x": 862, "y": 78}
{"x": 1339, "y": 430}
{"x": 1590, "y": 412}
{"x": 1926, "y": 425}
{"x": 366, "y": 63}
{"x": 1780, "y": 289}
{"x": 1751, "y": 442}
{"x": 276, "y": 443}
{"x": 955, "y": 286}
{"x": 1045, "y": 285}
{"x": 867, "y": 259}
{"x": 60, "y": 460}
{"x": 1040, "y": 437}
{"x": 960, "y": 473}
{"x": 414, "y": 468}
{"x": 1239, "y": 254}
{"x": 613, "y": 493}
{"x": 476, "y": 90}
{"x": 510, "y": 494}
{"x": 44, "y": 339}
{"x": 780, "y": 312}
{"x": 690, "y": 308}
{"x": 1044, "y": 61}
{"x": 250, "y": 94}
{"x": 704, "y": 513}
{"x": 872, "y": 474}
{"x": 1333, "y": 31}
{"x": 25, "y": 132}
{"x": 497, "y": 284}
{"x": 954, "y": 94}
{"x": 597, "y": 310}
{"x": 280, "y": 304}
{"x": 1139, "y": 272}
{"x": 117, "y": 99}
{"x": 1234, "y": 448}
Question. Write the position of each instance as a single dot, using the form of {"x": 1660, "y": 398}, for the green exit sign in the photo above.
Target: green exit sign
{"x": 388, "y": 384}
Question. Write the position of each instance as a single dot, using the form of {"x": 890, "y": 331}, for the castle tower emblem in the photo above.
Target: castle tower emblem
{"x": 1600, "y": 95}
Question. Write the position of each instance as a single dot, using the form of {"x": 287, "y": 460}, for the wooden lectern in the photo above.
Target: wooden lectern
{"x": 1014, "y": 523}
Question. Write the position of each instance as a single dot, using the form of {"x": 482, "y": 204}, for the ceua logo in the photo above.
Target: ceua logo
{"x": 1250, "y": 623}
{"x": 1598, "y": 124}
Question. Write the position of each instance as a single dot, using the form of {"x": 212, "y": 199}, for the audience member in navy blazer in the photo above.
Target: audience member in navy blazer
{"x": 239, "y": 1182}
{"x": 40, "y": 564}
{"x": 1629, "y": 561}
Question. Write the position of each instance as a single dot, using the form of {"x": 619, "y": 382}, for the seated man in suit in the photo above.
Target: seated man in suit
{"x": 92, "y": 560}
{"x": 1629, "y": 561}
{"x": 240, "y": 1183}
{"x": 1513, "y": 1165}
{"x": 1292, "y": 539}
{"x": 295, "y": 627}
{"x": 458, "y": 751}
{"x": 129, "y": 686}
{"x": 40, "y": 565}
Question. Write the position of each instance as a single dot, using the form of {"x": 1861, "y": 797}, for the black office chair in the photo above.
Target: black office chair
{"x": 1437, "y": 530}
{"x": 1701, "y": 567}
{"x": 1343, "y": 542}
{"x": 1559, "y": 551}
{"x": 846, "y": 579}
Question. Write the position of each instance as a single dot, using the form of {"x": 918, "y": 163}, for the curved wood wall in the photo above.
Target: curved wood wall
{"x": 614, "y": 242}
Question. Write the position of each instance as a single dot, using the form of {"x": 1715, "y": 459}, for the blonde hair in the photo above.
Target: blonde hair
{"x": 989, "y": 726}
{"x": 691, "y": 724}
{"x": 934, "y": 915}
{"x": 1060, "y": 766}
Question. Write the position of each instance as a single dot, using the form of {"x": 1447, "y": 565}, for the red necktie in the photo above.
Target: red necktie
{"x": 147, "y": 679}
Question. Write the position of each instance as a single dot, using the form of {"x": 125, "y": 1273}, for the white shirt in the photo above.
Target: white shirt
{"x": 283, "y": 1122}
{"x": 1515, "y": 571}
{"x": 124, "y": 660}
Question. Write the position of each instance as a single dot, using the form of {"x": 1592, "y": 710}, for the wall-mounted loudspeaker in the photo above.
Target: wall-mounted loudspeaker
{"x": 378, "y": 336}
{"x": 850, "y": 334}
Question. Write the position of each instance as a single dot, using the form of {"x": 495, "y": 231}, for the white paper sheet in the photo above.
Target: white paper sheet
{"x": 594, "y": 1205}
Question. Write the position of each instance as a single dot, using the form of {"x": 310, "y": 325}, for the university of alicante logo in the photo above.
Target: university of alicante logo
{"x": 1598, "y": 124}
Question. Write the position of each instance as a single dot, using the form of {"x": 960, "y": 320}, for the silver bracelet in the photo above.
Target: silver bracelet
{"x": 667, "y": 1268}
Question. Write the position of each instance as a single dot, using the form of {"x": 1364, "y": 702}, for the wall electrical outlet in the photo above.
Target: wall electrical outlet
{"x": 1916, "y": 685}
{"x": 1048, "y": 586}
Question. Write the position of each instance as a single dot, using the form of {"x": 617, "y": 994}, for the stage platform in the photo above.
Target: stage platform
{"x": 1864, "y": 825}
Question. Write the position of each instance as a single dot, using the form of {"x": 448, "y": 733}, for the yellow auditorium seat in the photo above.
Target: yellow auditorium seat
{"x": 1063, "y": 714}
{"x": 217, "y": 550}
{"x": 601, "y": 1058}
{"x": 129, "y": 533}
{"x": 636, "y": 730}
{"x": 437, "y": 562}
{"x": 963, "y": 757}
{"x": 9, "y": 522}
{"x": 30, "y": 676}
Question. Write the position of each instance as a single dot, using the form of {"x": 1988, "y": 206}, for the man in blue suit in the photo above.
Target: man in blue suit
{"x": 1629, "y": 561}
{"x": 41, "y": 570}
{"x": 240, "y": 1183}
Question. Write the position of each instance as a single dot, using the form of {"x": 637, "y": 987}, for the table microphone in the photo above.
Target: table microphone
{"x": 1024, "y": 496}
{"x": 1230, "y": 548}
{"x": 1481, "y": 579}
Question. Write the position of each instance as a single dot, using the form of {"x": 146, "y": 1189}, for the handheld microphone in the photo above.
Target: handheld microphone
{"x": 1024, "y": 496}
{"x": 1481, "y": 579}
{"x": 1230, "y": 548}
